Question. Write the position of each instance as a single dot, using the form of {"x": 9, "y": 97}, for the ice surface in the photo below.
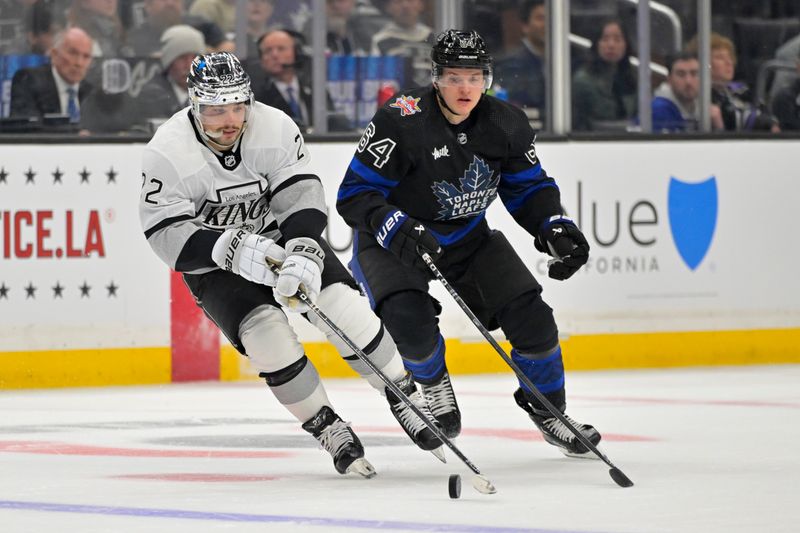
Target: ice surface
{"x": 710, "y": 450}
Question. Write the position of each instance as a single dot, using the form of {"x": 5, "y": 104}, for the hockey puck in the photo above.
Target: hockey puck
{"x": 454, "y": 485}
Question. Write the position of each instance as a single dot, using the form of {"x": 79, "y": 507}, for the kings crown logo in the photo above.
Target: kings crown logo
{"x": 475, "y": 191}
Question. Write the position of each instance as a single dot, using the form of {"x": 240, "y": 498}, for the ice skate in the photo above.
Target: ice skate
{"x": 442, "y": 403}
{"x": 419, "y": 432}
{"x": 555, "y": 432}
{"x": 340, "y": 441}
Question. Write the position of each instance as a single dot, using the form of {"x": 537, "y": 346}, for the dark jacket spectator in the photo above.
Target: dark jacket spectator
{"x": 405, "y": 35}
{"x": 166, "y": 93}
{"x": 283, "y": 84}
{"x": 59, "y": 87}
{"x": 145, "y": 40}
{"x": 521, "y": 73}
{"x": 604, "y": 92}
{"x": 100, "y": 20}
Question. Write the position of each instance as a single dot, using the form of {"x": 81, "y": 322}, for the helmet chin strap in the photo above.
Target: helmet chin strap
{"x": 441, "y": 100}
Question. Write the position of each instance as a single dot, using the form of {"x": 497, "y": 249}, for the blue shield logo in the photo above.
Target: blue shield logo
{"x": 692, "y": 218}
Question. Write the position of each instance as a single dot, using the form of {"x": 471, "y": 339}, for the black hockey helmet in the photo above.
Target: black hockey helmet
{"x": 460, "y": 49}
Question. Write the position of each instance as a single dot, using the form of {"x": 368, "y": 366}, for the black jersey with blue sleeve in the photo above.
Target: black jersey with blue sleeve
{"x": 446, "y": 176}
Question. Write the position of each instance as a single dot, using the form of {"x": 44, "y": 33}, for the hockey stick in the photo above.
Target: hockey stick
{"x": 479, "y": 481}
{"x": 616, "y": 474}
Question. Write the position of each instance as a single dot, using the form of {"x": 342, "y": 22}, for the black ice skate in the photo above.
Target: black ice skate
{"x": 340, "y": 441}
{"x": 443, "y": 405}
{"x": 419, "y": 432}
{"x": 555, "y": 432}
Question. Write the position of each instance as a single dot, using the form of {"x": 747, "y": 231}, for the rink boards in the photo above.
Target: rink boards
{"x": 691, "y": 264}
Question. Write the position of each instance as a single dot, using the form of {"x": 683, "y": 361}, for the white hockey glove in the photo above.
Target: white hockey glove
{"x": 302, "y": 270}
{"x": 248, "y": 255}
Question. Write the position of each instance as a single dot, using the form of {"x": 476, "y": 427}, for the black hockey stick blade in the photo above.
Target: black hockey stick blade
{"x": 619, "y": 478}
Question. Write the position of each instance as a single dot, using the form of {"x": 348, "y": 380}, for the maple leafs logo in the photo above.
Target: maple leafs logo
{"x": 475, "y": 191}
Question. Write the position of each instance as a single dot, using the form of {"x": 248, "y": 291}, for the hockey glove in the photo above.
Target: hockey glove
{"x": 248, "y": 255}
{"x": 561, "y": 238}
{"x": 405, "y": 237}
{"x": 302, "y": 270}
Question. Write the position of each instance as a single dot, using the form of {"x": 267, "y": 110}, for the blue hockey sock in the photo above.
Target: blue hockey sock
{"x": 431, "y": 368}
{"x": 546, "y": 374}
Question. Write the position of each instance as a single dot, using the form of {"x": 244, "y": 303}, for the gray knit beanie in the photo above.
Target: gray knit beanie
{"x": 179, "y": 40}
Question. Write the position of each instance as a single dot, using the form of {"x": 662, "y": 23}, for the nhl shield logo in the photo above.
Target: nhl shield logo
{"x": 692, "y": 218}
{"x": 230, "y": 160}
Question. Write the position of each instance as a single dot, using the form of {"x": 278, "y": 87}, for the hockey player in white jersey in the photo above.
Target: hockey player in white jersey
{"x": 226, "y": 192}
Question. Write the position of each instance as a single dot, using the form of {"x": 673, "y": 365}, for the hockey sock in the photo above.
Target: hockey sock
{"x": 545, "y": 370}
{"x": 431, "y": 368}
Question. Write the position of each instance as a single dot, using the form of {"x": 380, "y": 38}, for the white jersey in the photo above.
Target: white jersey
{"x": 191, "y": 193}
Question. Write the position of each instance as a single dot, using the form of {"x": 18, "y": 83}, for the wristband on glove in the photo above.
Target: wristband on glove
{"x": 405, "y": 237}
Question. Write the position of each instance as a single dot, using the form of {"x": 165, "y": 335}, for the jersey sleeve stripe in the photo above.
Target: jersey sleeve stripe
{"x": 294, "y": 179}
{"x": 369, "y": 175}
{"x": 166, "y": 222}
{"x": 526, "y": 175}
{"x": 354, "y": 184}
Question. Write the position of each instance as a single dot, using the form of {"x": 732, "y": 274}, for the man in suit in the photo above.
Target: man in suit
{"x": 58, "y": 87}
{"x": 282, "y": 59}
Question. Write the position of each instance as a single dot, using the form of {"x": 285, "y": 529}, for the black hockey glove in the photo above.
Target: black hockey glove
{"x": 561, "y": 238}
{"x": 405, "y": 237}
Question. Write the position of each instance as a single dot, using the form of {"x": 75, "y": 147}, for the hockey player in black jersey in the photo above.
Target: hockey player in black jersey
{"x": 226, "y": 192}
{"x": 426, "y": 169}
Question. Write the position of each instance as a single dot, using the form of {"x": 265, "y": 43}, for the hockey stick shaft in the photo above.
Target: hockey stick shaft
{"x": 302, "y": 296}
{"x": 521, "y": 375}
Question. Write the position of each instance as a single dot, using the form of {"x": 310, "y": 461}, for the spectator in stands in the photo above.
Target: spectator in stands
{"x": 604, "y": 93}
{"x": 216, "y": 39}
{"x": 40, "y": 28}
{"x": 166, "y": 93}
{"x": 292, "y": 15}
{"x": 285, "y": 86}
{"x": 404, "y": 35}
{"x": 733, "y": 98}
{"x": 100, "y": 20}
{"x": 220, "y": 12}
{"x": 787, "y": 52}
{"x": 57, "y": 88}
{"x": 259, "y": 14}
{"x": 144, "y": 39}
{"x": 282, "y": 59}
{"x": 340, "y": 38}
{"x": 675, "y": 102}
{"x": 786, "y": 104}
{"x": 521, "y": 73}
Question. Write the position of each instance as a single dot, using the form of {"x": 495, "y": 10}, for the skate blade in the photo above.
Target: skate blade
{"x": 439, "y": 454}
{"x": 362, "y": 467}
{"x": 588, "y": 455}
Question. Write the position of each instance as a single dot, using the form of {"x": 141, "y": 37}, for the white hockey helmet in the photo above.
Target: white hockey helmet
{"x": 217, "y": 79}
